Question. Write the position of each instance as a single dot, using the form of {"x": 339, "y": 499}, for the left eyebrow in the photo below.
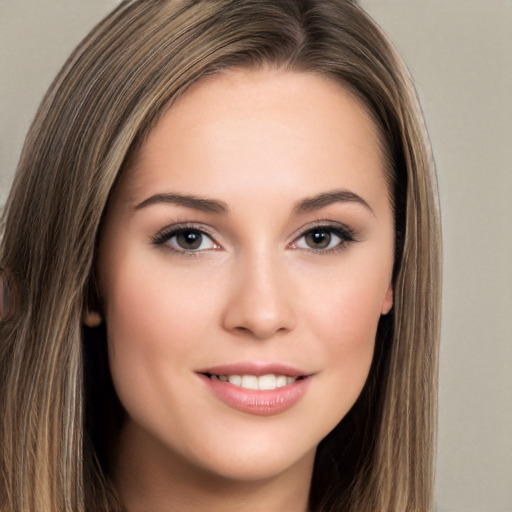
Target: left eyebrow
{"x": 186, "y": 200}
{"x": 324, "y": 199}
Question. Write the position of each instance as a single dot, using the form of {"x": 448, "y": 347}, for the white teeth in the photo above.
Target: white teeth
{"x": 267, "y": 382}
{"x": 281, "y": 381}
{"x": 249, "y": 381}
{"x": 235, "y": 379}
{"x": 264, "y": 382}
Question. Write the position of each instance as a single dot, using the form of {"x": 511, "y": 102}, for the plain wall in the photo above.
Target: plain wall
{"x": 460, "y": 52}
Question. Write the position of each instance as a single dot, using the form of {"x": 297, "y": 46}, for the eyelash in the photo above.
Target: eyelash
{"x": 345, "y": 234}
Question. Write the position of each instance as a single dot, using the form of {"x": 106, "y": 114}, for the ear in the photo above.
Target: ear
{"x": 387, "y": 302}
{"x": 91, "y": 318}
{"x": 92, "y": 315}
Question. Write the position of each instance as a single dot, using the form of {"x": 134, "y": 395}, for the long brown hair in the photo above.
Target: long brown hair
{"x": 100, "y": 107}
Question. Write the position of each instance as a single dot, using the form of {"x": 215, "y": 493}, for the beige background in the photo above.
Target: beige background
{"x": 460, "y": 52}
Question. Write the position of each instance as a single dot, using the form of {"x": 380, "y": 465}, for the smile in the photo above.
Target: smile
{"x": 255, "y": 382}
{"x": 257, "y": 388}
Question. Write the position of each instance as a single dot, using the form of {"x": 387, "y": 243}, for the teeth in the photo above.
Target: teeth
{"x": 264, "y": 382}
{"x": 249, "y": 381}
{"x": 267, "y": 382}
{"x": 281, "y": 381}
{"x": 235, "y": 379}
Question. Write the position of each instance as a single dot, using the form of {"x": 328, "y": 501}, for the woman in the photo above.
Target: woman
{"x": 221, "y": 252}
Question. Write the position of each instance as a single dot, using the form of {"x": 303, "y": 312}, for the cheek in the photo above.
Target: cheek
{"x": 153, "y": 325}
{"x": 344, "y": 319}
{"x": 345, "y": 304}
{"x": 151, "y": 318}
{"x": 350, "y": 336}
{"x": 157, "y": 325}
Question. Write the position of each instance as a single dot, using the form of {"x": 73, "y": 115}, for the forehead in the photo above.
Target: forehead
{"x": 258, "y": 124}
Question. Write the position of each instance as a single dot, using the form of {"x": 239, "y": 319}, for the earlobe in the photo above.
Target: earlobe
{"x": 387, "y": 302}
{"x": 91, "y": 318}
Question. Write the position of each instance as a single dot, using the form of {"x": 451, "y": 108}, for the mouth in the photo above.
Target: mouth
{"x": 258, "y": 389}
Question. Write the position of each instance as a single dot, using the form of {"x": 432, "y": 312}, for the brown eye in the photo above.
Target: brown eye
{"x": 325, "y": 238}
{"x": 185, "y": 239}
{"x": 318, "y": 238}
{"x": 189, "y": 240}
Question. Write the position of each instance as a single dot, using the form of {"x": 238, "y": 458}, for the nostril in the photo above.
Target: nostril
{"x": 242, "y": 330}
{"x": 258, "y": 332}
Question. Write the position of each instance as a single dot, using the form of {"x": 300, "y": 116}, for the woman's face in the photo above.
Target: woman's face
{"x": 249, "y": 244}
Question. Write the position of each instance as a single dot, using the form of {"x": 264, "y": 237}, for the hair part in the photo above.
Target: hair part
{"x": 101, "y": 106}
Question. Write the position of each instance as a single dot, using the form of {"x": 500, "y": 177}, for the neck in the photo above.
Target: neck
{"x": 152, "y": 478}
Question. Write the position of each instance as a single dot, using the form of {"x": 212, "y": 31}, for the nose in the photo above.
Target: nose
{"x": 260, "y": 302}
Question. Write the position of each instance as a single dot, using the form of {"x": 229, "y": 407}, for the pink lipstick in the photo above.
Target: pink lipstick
{"x": 257, "y": 388}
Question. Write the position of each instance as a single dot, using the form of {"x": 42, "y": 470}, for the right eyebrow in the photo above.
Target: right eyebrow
{"x": 326, "y": 198}
{"x": 186, "y": 200}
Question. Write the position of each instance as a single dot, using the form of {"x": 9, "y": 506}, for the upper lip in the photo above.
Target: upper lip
{"x": 257, "y": 368}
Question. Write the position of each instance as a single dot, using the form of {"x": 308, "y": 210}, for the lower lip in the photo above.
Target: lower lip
{"x": 261, "y": 403}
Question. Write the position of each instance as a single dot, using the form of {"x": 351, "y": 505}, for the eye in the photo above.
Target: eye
{"x": 185, "y": 239}
{"x": 324, "y": 238}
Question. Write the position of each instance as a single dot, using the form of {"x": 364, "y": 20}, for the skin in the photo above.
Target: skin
{"x": 260, "y": 142}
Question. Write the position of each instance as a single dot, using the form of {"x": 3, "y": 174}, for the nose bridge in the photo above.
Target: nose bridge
{"x": 259, "y": 303}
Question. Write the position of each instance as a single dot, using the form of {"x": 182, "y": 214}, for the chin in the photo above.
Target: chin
{"x": 257, "y": 468}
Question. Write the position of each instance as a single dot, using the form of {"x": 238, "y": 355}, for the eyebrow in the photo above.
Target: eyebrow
{"x": 327, "y": 198}
{"x": 189, "y": 201}
{"x": 308, "y": 204}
